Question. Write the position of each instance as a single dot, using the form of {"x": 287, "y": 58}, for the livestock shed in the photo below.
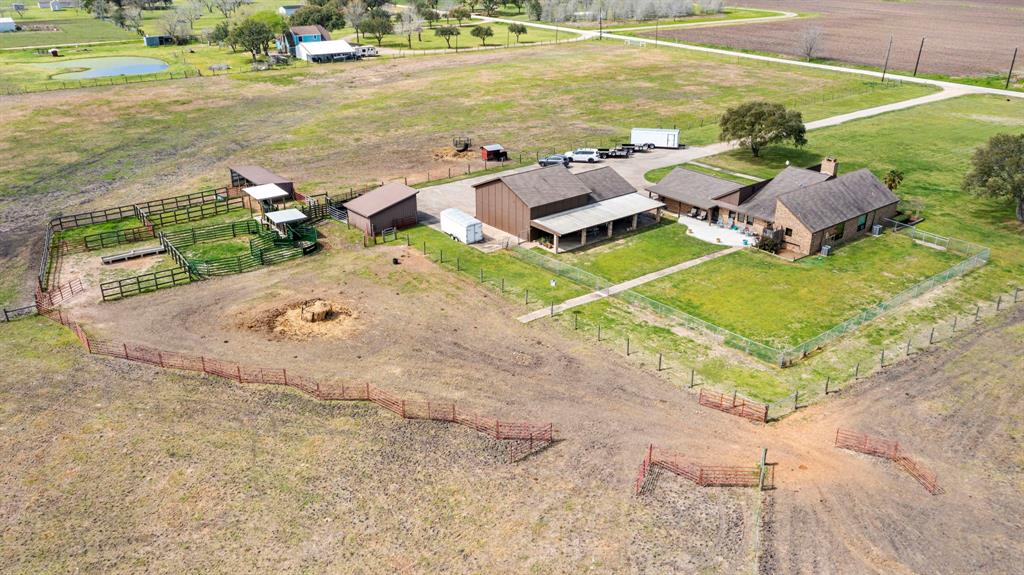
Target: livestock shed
{"x": 266, "y": 196}
{"x": 249, "y": 176}
{"x": 390, "y": 206}
{"x": 281, "y": 218}
{"x": 7, "y": 25}
{"x": 552, "y": 201}
{"x": 493, "y": 153}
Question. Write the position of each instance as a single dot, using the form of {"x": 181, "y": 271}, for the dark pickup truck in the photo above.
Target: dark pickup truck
{"x": 619, "y": 152}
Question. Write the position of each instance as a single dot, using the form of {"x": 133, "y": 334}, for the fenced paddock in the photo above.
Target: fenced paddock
{"x": 761, "y": 476}
{"x": 525, "y": 437}
{"x": 974, "y": 256}
{"x": 145, "y": 283}
{"x": 888, "y": 449}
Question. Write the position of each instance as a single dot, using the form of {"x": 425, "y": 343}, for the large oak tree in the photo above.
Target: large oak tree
{"x": 759, "y": 123}
{"x": 998, "y": 170}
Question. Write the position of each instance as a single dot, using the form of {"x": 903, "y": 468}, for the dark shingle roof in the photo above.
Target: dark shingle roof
{"x": 762, "y": 205}
{"x": 544, "y": 185}
{"x": 823, "y": 205}
{"x": 605, "y": 183}
{"x": 380, "y": 199}
{"x": 693, "y": 188}
{"x": 314, "y": 29}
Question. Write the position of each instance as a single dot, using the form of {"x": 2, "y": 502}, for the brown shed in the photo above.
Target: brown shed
{"x": 251, "y": 176}
{"x": 511, "y": 202}
{"x": 392, "y": 205}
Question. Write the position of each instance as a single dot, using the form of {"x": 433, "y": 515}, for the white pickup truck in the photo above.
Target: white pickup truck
{"x": 588, "y": 155}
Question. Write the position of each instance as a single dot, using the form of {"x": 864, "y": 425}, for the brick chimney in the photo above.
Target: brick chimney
{"x": 830, "y": 166}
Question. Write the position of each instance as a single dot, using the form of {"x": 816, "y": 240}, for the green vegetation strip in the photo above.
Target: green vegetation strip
{"x": 513, "y": 277}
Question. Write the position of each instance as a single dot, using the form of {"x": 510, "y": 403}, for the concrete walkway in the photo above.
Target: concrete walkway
{"x": 621, "y": 287}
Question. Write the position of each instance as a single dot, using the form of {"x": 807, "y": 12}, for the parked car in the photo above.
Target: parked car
{"x": 554, "y": 160}
{"x": 588, "y": 155}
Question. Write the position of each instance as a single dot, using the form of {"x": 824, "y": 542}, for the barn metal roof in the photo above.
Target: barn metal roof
{"x": 259, "y": 175}
{"x": 265, "y": 192}
{"x": 542, "y": 186}
{"x": 286, "y": 216}
{"x": 605, "y": 183}
{"x": 380, "y": 199}
{"x": 596, "y": 214}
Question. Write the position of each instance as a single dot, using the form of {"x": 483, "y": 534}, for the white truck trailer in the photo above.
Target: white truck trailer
{"x": 659, "y": 137}
{"x": 461, "y": 226}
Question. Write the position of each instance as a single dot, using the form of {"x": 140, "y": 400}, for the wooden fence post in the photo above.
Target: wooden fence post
{"x": 931, "y": 336}
{"x": 764, "y": 461}
{"x": 659, "y": 361}
{"x": 881, "y": 358}
{"x": 125, "y": 346}
{"x": 239, "y": 369}
{"x": 692, "y": 376}
{"x": 796, "y": 400}
{"x": 828, "y": 380}
{"x": 284, "y": 373}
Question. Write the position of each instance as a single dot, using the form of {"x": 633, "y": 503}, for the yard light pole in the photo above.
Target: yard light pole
{"x": 1009, "y": 74}
{"x": 885, "y": 68}
{"x": 919, "y": 50}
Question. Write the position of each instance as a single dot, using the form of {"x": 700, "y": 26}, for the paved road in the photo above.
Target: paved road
{"x": 842, "y": 69}
{"x": 621, "y": 287}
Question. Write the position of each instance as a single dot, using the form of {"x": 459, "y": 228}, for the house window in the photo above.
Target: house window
{"x": 750, "y": 219}
{"x": 862, "y": 222}
{"x": 789, "y": 232}
{"x": 839, "y": 231}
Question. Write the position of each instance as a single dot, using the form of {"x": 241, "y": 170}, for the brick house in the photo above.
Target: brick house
{"x": 804, "y": 208}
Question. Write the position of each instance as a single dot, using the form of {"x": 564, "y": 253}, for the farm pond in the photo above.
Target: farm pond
{"x": 83, "y": 68}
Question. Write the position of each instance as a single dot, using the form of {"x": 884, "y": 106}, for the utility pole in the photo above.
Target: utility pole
{"x": 885, "y": 68}
{"x": 919, "y": 50}
{"x": 1009, "y": 74}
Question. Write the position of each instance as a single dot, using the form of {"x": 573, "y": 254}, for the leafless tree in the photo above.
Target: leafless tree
{"x": 810, "y": 42}
{"x": 355, "y": 13}
{"x": 132, "y": 17}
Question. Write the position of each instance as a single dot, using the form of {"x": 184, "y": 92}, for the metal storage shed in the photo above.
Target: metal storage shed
{"x": 392, "y": 205}
{"x": 246, "y": 176}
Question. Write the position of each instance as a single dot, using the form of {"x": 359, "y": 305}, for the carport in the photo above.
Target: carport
{"x": 625, "y": 210}
{"x": 267, "y": 195}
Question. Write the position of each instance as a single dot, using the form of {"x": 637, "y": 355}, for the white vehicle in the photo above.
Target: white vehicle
{"x": 658, "y": 137}
{"x": 588, "y": 155}
{"x": 362, "y": 50}
{"x": 461, "y": 226}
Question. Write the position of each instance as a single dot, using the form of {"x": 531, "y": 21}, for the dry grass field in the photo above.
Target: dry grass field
{"x": 117, "y": 467}
{"x": 964, "y": 38}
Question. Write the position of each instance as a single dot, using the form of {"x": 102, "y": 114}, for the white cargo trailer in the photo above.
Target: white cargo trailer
{"x": 461, "y": 226}
{"x": 659, "y": 137}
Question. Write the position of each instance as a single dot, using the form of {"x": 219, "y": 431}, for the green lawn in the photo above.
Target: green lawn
{"x": 654, "y": 176}
{"x": 643, "y": 252}
{"x": 92, "y": 229}
{"x": 781, "y": 303}
{"x": 226, "y": 248}
{"x": 519, "y": 277}
{"x": 233, "y": 215}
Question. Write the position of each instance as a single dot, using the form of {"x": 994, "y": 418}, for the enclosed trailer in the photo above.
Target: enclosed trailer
{"x": 461, "y": 226}
{"x": 659, "y": 137}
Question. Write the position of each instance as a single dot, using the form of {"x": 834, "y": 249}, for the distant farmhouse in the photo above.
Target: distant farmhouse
{"x": 571, "y": 208}
{"x": 56, "y": 5}
{"x": 287, "y": 11}
{"x": 804, "y": 208}
{"x": 292, "y": 37}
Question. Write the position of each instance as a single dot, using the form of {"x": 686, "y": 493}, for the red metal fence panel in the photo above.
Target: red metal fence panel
{"x": 734, "y": 405}
{"x": 527, "y": 437}
{"x": 700, "y": 474}
{"x": 888, "y": 449}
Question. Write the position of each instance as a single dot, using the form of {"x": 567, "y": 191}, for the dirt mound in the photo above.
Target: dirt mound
{"x": 449, "y": 153}
{"x": 307, "y": 319}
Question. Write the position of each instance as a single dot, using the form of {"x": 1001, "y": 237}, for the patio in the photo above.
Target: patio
{"x": 713, "y": 234}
